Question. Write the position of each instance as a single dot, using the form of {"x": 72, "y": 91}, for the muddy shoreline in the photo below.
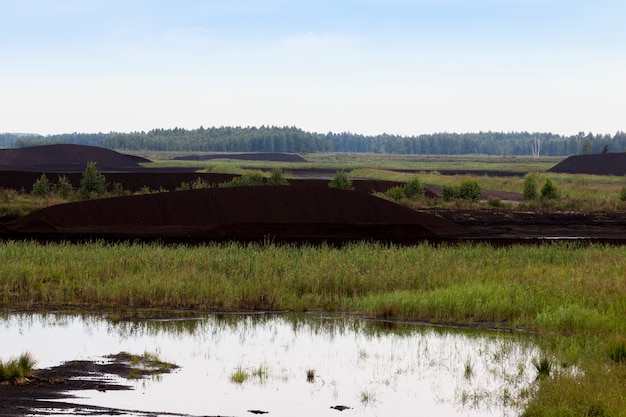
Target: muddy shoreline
{"x": 51, "y": 390}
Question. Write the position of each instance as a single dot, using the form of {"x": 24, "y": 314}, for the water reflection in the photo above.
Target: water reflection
{"x": 405, "y": 370}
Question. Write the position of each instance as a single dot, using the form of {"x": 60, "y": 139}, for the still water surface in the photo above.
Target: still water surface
{"x": 376, "y": 369}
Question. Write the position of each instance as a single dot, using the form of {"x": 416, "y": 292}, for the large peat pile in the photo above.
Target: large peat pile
{"x": 287, "y": 213}
{"x": 65, "y": 158}
{"x": 596, "y": 164}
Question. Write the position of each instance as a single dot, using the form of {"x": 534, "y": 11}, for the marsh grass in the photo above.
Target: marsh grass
{"x": 239, "y": 375}
{"x": 553, "y": 289}
{"x": 543, "y": 365}
{"x": 617, "y": 350}
{"x": 17, "y": 368}
{"x": 562, "y": 288}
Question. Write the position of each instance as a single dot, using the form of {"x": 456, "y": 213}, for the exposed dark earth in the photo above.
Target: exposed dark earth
{"x": 50, "y": 390}
{"x": 305, "y": 211}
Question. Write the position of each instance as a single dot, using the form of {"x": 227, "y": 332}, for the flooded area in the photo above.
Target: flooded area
{"x": 288, "y": 365}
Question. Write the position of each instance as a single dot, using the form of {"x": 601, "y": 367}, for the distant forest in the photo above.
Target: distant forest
{"x": 295, "y": 140}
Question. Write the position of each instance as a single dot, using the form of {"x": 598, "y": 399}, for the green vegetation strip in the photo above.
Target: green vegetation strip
{"x": 554, "y": 287}
{"x": 574, "y": 296}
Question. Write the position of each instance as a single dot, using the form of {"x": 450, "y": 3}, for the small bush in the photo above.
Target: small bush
{"x": 117, "y": 189}
{"x": 470, "y": 190}
{"x": 145, "y": 190}
{"x": 450, "y": 192}
{"x": 530, "y": 187}
{"x": 396, "y": 193}
{"x": 65, "y": 187}
{"x": 199, "y": 184}
{"x": 341, "y": 181}
{"x": 41, "y": 187}
{"x": 277, "y": 177}
{"x": 245, "y": 180}
{"x": 414, "y": 188}
{"x": 93, "y": 183}
{"x": 495, "y": 202}
{"x": 549, "y": 190}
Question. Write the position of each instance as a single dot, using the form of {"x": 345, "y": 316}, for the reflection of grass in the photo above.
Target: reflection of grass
{"x": 469, "y": 369}
{"x": 262, "y": 372}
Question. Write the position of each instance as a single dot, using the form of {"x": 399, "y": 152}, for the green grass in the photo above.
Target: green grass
{"x": 239, "y": 375}
{"x": 17, "y": 368}
{"x": 563, "y": 288}
{"x": 573, "y": 295}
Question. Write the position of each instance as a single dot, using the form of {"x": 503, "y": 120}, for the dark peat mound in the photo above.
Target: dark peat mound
{"x": 65, "y": 158}
{"x": 287, "y": 214}
{"x": 595, "y": 164}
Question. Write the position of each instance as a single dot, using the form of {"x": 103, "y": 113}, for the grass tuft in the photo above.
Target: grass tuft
{"x": 239, "y": 376}
{"x": 543, "y": 365}
{"x": 17, "y": 368}
{"x": 617, "y": 350}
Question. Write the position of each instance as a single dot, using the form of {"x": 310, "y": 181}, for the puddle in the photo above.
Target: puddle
{"x": 290, "y": 365}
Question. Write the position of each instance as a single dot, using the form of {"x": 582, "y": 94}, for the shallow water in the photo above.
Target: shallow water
{"x": 376, "y": 369}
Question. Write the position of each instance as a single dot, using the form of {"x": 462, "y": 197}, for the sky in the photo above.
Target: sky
{"x": 404, "y": 67}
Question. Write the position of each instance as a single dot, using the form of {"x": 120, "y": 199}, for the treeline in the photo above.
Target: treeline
{"x": 295, "y": 140}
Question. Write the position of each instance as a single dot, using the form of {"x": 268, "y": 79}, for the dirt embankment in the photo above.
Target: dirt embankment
{"x": 308, "y": 210}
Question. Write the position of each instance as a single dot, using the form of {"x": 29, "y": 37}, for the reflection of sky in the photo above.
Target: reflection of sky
{"x": 413, "y": 372}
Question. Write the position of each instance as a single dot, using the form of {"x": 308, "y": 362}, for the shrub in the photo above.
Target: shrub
{"x": 470, "y": 190}
{"x": 341, "y": 181}
{"x": 530, "y": 187}
{"x": 41, "y": 187}
{"x": 118, "y": 189}
{"x": 396, "y": 193}
{"x": 64, "y": 186}
{"x": 450, "y": 192}
{"x": 549, "y": 190}
{"x": 414, "y": 188}
{"x": 277, "y": 177}
{"x": 622, "y": 194}
{"x": 199, "y": 183}
{"x": 249, "y": 179}
{"x": 93, "y": 183}
{"x": 495, "y": 202}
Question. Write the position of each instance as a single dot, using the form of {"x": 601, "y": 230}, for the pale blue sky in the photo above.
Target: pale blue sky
{"x": 366, "y": 66}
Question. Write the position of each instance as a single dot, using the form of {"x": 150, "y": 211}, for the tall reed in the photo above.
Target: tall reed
{"x": 553, "y": 287}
